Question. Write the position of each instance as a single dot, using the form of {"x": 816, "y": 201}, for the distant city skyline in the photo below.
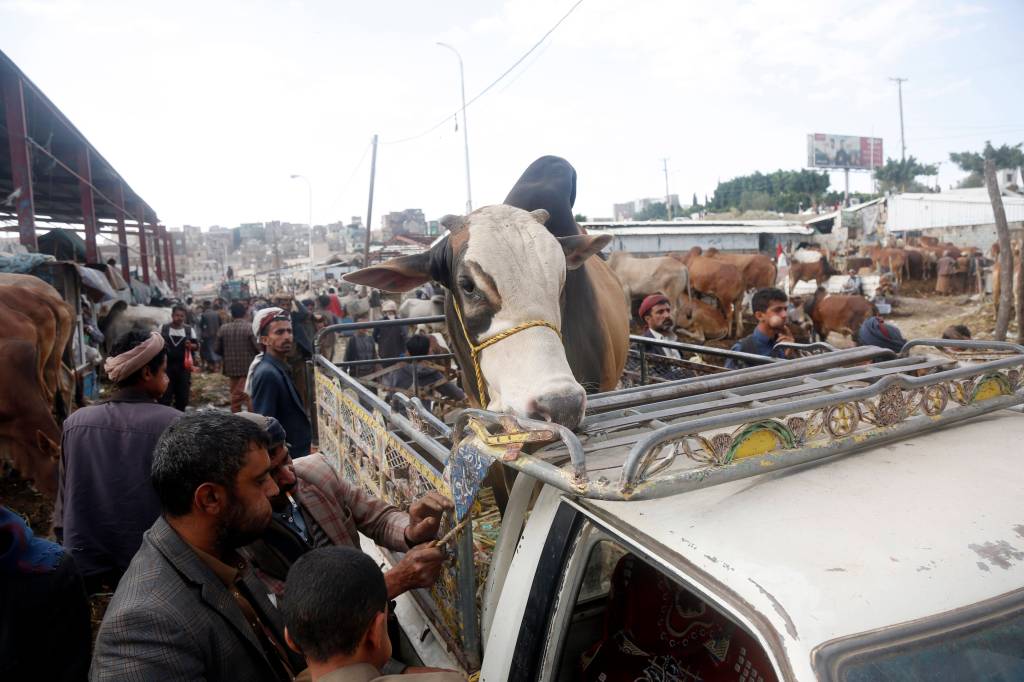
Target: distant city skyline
{"x": 208, "y": 108}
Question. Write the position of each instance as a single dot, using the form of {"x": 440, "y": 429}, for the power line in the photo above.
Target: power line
{"x": 497, "y": 80}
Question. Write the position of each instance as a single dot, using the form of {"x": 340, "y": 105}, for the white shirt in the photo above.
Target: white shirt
{"x": 667, "y": 352}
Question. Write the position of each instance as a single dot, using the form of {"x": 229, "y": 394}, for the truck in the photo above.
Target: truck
{"x": 845, "y": 515}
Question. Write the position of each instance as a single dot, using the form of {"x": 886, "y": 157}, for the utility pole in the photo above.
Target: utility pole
{"x": 369, "y": 206}
{"x": 668, "y": 200}
{"x": 899, "y": 89}
{"x": 465, "y": 127}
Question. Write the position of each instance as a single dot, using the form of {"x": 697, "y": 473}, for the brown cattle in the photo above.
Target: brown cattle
{"x": 643, "y": 276}
{"x": 29, "y": 435}
{"x": 817, "y": 270}
{"x": 894, "y": 260}
{"x": 44, "y": 325}
{"x": 715, "y": 278}
{"x": 758, "y": 270}
{"x": 700, "y": 321}
{"x": 843, "y": 314}
{"x": 35, "y": 296}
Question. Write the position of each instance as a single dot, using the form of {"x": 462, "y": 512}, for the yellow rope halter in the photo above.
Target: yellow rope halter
{"x": 476, "y": 348}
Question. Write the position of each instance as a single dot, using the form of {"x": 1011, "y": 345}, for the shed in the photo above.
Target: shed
{"x": 656, "y": 238}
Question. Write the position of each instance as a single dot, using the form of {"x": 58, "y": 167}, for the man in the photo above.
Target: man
{"x": 318, "y": 508}
{"x": 325, "y": 317}
{"x": 302, "y": 345}
{"x": 43, "y": 608}
{"x": 769, "y": 306}
{"x": 390, "y": 340}
{"x": 273, "y": 392}
{"x": 189, "y": 607}
{"x": 105, "y": 501}
{"x": 875, "y": 331}
{"x": 360, "y": 346}
{"x": 180, "y": 340}
{"x": 209, "y": 324}
{"x": 854, "y": 286}
{"x": 427, "y": 379}
{"x": 336, "y": 613}
{"x": 334, "y": 303}
{"x": 656, "y": 312}
{"x": 237, "y": 345}
{"x": 946, "y": 270}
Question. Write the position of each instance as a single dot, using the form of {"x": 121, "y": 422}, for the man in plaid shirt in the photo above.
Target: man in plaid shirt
{"x": 316, "y": 507}
{"x": 237, "y": 345}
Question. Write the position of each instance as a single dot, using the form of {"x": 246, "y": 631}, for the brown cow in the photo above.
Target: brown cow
{"x": 759, "y": 272}
{"x": 29, "y": 435}
{"x": 803, "y": 267}
{"x": 43, "y": 296}
{"x": 715, "y": 278}
{"x": 700, "y": 321}
{"x": 642, "y": 276}
{"x": 893, "y": 259}
{"x": 843, "y": 314}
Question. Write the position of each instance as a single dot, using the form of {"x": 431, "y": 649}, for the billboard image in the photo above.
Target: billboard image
{"x": 844, "y": 151}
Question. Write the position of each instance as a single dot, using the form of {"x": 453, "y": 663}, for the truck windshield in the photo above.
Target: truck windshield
{"x": 993, "y": 651}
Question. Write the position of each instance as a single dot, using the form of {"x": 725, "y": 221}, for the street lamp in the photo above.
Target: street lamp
{"x": 465, "y": 128}
{"x": 309, "y": 187}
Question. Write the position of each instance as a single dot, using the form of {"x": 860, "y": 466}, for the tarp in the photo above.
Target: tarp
{"x": 63, "y": 245}
{"x": 23, "y": 263}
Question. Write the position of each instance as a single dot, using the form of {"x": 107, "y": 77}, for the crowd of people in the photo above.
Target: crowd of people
{"x": 195, "y": 519}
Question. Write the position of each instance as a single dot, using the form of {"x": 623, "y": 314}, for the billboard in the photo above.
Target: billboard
{"x": 844, "y": 151}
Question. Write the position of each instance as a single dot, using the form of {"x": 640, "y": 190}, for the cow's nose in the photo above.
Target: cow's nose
{"x": 565, "y": 408}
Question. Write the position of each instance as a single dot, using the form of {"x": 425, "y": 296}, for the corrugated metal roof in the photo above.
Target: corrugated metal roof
{"x": 931, "y": 211}
{"x": 690, "y": 224}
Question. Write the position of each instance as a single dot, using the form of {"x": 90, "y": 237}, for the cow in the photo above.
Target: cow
{"x": 759, "y": 272}
{"x": 716, "y": 278}
{"x": 29, "y": 435}
{"x": 534, "y": 320}
{"x": 643, "y": 276}
{"x": 123, "y": 318}
{"x": 809, "y": 265}
{"x": 418, "y": 307}
{"x": 891, "y": 260}
{"x": 700, "y": 322}
{"x": 34, "y": 297}
{"x": 843, "y": 314}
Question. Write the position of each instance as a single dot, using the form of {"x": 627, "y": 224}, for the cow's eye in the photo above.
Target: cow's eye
{"x": 466, "y": 284}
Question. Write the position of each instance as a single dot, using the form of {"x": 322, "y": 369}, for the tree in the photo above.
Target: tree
{"x": 902, "y": 175}
{"x": 781, "y": 190}
{"x": 987, "y": 162}
{"x": 580, "y": 218}
{"x": 695, "y": 202}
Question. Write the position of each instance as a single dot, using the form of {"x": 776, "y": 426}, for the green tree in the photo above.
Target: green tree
{"x": 580, "y": 218}
{"x": 695, "y": 203}
{"x": 1004, "y": 156}
{"x": 901, "y": 175}
{"x": 781, "y": 190}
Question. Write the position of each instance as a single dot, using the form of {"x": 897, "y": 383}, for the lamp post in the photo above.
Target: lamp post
{"x": 465, "y": 128}
{"x": 309, "y": 187}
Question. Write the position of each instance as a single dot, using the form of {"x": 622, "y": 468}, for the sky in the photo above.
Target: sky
{"x": 207, "y": 108}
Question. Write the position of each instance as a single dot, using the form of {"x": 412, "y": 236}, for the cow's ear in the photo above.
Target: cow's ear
{"x": 579, "y": 247}
{"x": 541, "y": 216}
{"x": 398, "y": 274}
{"x": 453, "y": 223}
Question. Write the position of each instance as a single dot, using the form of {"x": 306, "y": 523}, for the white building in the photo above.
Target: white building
{"x": 963, "y": 217}
{"x": 659, "y": 238}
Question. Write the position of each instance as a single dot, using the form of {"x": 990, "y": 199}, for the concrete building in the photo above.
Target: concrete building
{"x": 409, "y": 221}
{"x": 630, "y": 209}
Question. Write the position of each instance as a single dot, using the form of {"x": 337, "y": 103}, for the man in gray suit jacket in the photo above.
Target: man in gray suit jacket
{"x": 189, "y": 608}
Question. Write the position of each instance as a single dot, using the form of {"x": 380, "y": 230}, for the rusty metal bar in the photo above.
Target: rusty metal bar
{"x": 92, "y": 254}
{"x": 170, "y": 258}
{"x": 122, "y": 235}
{"x": 21, "y": 163}
{"x": 157, "y": 248}
{"x": 143, "y": 249}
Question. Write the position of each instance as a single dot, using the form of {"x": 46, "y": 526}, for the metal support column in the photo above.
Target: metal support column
{"x": 157, "y": 248}
{"x": 170, "y": 260}
{"x": 165, "y": 239}
{"x": 122, "y": 235}
{"x": 21, "y": 167}
{"x": 92, "y": 254}
{"x": 143, "y": 249}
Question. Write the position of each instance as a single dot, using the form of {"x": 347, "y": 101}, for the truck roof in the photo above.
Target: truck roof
{"x": 851, "y": 544}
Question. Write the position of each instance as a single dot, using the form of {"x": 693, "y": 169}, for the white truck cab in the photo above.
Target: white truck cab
{"x": 818, "y": 519}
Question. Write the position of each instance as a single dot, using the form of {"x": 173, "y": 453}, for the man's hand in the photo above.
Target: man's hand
{"x": 425, "y": 518}
{"x": 418, "y": 568}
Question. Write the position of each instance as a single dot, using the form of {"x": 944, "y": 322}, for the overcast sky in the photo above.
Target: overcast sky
{"x": 206, "y": 108}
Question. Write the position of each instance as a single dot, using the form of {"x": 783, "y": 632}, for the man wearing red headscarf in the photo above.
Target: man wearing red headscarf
{"x": 656, "y": 312}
